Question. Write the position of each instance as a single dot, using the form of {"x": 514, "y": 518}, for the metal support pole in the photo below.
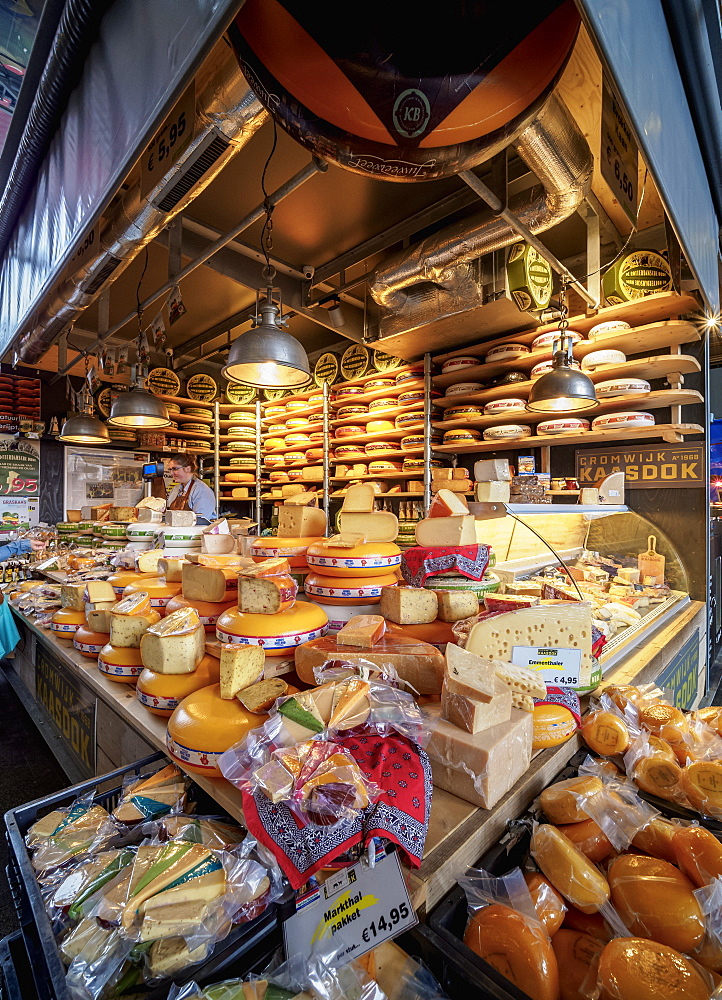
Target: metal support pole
{"x": 326, "y": 463}
{"x": 259, "y": 468}
{"x": 253, "y": 216}
{"x": 216, "y": 451}
{"x": 427, "y": 433}
{"x": 494, "y": 203}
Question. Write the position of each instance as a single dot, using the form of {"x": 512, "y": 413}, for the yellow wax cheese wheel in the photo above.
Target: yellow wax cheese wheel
{"x": 119, "y": 581}
{"x": 293, "y": 549}
{"x": 367, "y": 559}
{"x": 204, "y": 726}
{"x": 65, "y": 622}
{"x": 278, "y": 634}
{"x": 274, "y": 442}
{"x": 379, "y": 426}
{"x": 553, "y": 724}
{"x": 120, "y": 663}
{"x": 89, "y": 643}
{"x": 207, "y": 612}
{"x": 340, "y": 590}
{"x": 162, "y": 693}
{"x": 159, "y": 592}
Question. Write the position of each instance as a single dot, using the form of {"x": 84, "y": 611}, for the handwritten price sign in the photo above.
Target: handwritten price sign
{"x": 619, "y": 160}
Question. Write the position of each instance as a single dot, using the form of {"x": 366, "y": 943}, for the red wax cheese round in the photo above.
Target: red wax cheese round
{"x": 204, "y": 726}
{"x": 162, "y": 693}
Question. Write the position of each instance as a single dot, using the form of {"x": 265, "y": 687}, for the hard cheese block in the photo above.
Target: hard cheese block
{"x": 481, "y": 767}
{"x": 409, "y": 605}
{"x": 493, "y": 491}
{"x": 437, "y": 531}
{"x": 299, "y": 522}
{"x": 417, "y": 663}
{"x": 515, "y": 635}
{"x": 472, "y": 715}
{"x": 209, "y": 583}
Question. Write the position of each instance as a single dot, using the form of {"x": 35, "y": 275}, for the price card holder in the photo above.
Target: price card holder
{"x": 556, "y": 666}
{"x": 358, "y": 908}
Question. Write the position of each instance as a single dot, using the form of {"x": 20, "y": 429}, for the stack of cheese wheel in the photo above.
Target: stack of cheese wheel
{"x": 345, "y": 572}
{"x": 120, "y": 659}
{"x": 99, "y": 597}
{"x": 71, "y": 615}
{"x": 268, "y": 614}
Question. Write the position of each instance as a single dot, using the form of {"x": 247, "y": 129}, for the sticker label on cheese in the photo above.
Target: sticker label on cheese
{"x": 205, "y": 759}
{"x": 59, "y": 627}
{"x": 559, "y": 666}
{"x": 288, "y": 640}
{"x": 118, "y": 669}
{"x": 155, "y": 701}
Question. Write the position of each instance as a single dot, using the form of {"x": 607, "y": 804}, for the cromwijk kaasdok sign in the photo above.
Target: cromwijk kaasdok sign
{"x": 644, "y": 466}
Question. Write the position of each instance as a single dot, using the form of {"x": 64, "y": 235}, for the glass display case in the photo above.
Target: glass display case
{"x": 619, "y": 562}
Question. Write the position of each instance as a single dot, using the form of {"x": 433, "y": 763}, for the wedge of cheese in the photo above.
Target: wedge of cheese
{"x": 72, "y": 595}
{"x": 455, "y": 605}
{"x": 171, "y": 569}
{"x": 361, "y": 630}
{"x": 156, "y": 867}
{"x": 359, "y": 498}
{"x": 298, "y": 521}
{"x": 409, "y": 605}
{"x": 168, "y": 956}
{"x": 147, "y": 562}
{"x": 99, "y": 591}
{"x": 376, "y": 526}
{"x": 266, "y": 595}
{"x": 446, "y": 503}
{"x": 437, "y": 531}
{"x": 241, "y": 666}
{"x": 127, "y": 630}
{"x": 175, "y": 645}
{"x": 462, "y": 709}
{"x": 210, "y": 583}
{"x": 98, "y": 621}
{"x": 469, "y": 675}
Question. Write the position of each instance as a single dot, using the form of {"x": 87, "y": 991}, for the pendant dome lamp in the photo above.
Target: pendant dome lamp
{"x": 138, "y": 407}
{"x": 564, "y": 389}
{"x": 84, "y": 428}
{"x": 268, "y": 356}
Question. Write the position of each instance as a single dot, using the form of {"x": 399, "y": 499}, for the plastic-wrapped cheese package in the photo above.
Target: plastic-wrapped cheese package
{"x": 66, "y": 833}
{"x": 568, "y": 870}
{"x": 634, "y": 968}
{"x": 653, "y": 767}
{"x": 78, "y": 881}
{"x": 152, "y": 795}
{"x": 211, "y": 831}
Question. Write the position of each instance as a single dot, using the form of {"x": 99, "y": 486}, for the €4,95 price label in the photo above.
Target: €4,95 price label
{"x": 355, "y": 910}
{"x": 560, "y": 667}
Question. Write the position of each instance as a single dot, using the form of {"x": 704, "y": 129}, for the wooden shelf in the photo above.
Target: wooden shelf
{"x": 231, "y": 468}
{"x": 367, "y": 397}
{"x": 191, "y": 435}
{"x": 671, "y": 433}
{"x": 364, "y": 418}
{"x": 185, "y": 419}
{"x": 362, "y": 379}
{"x": 647, "y": 368}
{"x": 645, "y": 401}
{"x": 237, "y": 454}
{"x": 234, "y": 437}
{"x": 236, "y": 407}
{"x": 650, "y": 310}
{"x": 395, "y": 435}
{"x": 296, "y": 413}
{"x": 635, "y": 341}
{"x": 379, "y": 475}
{"x": 311, "y": 390}
{"x": 234, "y": 423}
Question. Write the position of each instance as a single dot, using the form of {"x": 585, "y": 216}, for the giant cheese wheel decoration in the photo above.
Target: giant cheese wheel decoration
{"x": 162, "y": 693}
{"x": 278, "y": 634}
{"x": 367, "y": 559}
{"x": 204, "y": 726}
{"x": 345, "y": 590}
{"x": 375, "y": 100}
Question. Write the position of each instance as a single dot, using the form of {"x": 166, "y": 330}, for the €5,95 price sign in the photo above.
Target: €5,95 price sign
{"x": 355, "y": 910}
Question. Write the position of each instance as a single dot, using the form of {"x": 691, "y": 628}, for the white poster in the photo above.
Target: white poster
{"x": 94, "y": 477}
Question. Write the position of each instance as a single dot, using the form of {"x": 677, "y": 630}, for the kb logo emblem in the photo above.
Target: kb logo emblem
{"x": 411, "y": 113}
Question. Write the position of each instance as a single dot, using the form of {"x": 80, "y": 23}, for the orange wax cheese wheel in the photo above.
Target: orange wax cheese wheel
{"x": 605, "y": 733}
{"x": 277, "y": 634}
{"x": 657, "y": 839}
{"x": 204, "y": 726}
{"x": 135, "y": 603}
{"x": 207, "y": 612}
{"x": 553, "y": 724}
{"x": 633, "y": 968}
{"x": 549, "y": 905}
{"x": 89, "y": 643}
{"x": 345, "y": 590}
{"x": 293, "y": 549}
{"x": 120, "y": 663}
{"x": 575, "y": 954}
{"x": 157, "y": 590}
{"x": 65, "y": 622}
{"x": 365, "y": 559}
{"x": 589, "y": 838}
{"x": 569, "y": 871}
{"x": 665, "y": 721}
{"x": 517, "y": 948}
{"x": 702, "y": 784}
{"x": 660, "y": 748}
{"x": 560, "y": 803}
{"x": 119, "y": 581}
{"x": 592, "y": 924}
{"x": 268, "y": 567}
{"x": 711, "y": 716}
{"x": 698, "y": 854}
{"x": 658, "y": 777}
{"x": 162, "y": 693}
{"x": 418, "y": 664}
{"x": 655, "y": 900}
{"x": 623, "y": 693}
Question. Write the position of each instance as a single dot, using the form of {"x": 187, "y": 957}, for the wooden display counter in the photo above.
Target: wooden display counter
{"x": 459, "y": 833}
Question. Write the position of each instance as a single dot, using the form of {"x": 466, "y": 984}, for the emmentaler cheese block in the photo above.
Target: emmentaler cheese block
{"x": 300, "y": 521}
{"x": 481, "y": 767}
{"x": 176, "y": 645}
{"x": 419, "y": 664}
{"x": 208, "y": 583}
{"x": 515, "y": 636}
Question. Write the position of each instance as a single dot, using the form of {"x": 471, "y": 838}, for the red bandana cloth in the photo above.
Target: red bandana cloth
{"x": 420, "y": 562}
{"x": 401, "y": 813}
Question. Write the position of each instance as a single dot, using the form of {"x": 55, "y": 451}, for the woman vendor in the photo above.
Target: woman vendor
{"x": 190, "y": 493}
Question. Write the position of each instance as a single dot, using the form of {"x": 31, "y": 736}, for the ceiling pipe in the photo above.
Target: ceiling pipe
{"x": 554, "y": 149}
{"x": 227, "y": 115}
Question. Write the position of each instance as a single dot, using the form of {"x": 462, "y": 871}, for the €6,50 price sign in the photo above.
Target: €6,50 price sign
{"x": 355, "y": 910}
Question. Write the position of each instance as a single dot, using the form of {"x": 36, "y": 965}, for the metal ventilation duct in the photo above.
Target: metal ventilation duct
{"x": 557, "y": 153}
{"x": 227, "y": 115}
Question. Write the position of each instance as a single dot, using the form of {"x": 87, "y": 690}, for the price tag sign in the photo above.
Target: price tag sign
{"x": 170, "y": 140}
{"x": 619, "y": 160}
{"x": 560, "y": 667}
{"x": 358, "y": 908}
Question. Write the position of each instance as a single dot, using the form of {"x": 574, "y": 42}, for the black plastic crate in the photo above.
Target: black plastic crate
{"x": 247, "y": 943}
{"x": 17, "y": 978}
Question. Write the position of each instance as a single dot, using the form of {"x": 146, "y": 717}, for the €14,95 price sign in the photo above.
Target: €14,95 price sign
{"x": 355, "y": 910}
